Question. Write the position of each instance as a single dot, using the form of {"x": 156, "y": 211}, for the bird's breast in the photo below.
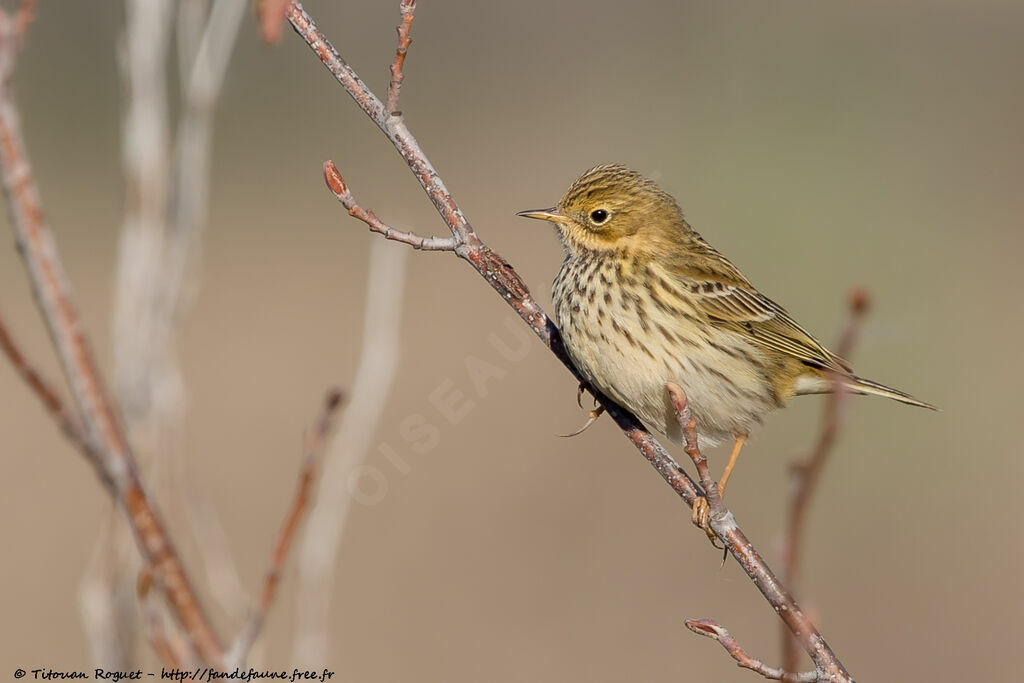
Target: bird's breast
{"x": 629, "y": 332}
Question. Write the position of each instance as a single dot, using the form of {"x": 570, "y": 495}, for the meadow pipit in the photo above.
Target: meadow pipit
{"x": 642, "y": 300}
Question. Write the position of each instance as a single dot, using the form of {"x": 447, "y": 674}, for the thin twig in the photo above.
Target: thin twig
{"x": 115, "y": 465}
{"x": 349, "y": 448}
{"x": 337, "y": 185}
{"x": 312, "y": 450}
{"x": 692, "y": 449}
{"x": 807, "y": 472}
{"x": 712, "y": 629}
{"x": 47, "y": 394}
{"x": 407, "y": 8}
{"x": 271, "y": 17}
{"x": 513, "y": 290}
{"x": 724, "y": 524}
{"x": 24, "y": 17}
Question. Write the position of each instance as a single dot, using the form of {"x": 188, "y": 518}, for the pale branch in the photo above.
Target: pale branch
{"x": 350, "y": 447}
{"x": 721, "y": 520}
{"x": 712, "y": 629}
{"x": 312, "y": 451}
{"x": 807, "y": 472}
{"x": 167, "y": 181}
{"x": 337, "y": 185}
{"x": 114, "y": 463}
{"x": 156, "y": 636}
{"x": 504, "y": 280}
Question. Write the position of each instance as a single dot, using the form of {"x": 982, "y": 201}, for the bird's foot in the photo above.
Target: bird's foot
{"x": 591, "y": 419}
{"x": 584, "y": 386}
{"x": 701, "y": 517}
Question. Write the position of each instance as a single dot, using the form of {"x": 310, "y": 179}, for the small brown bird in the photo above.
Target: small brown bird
{"x": 642, "y": 300}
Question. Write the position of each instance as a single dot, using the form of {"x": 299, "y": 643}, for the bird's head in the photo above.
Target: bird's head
{"x": 612, "y": 207}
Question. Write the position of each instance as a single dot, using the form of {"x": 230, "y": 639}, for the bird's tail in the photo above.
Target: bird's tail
{"x": 859, "y": 385}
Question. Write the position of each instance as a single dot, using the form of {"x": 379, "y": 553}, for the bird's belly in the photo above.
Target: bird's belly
{"x": 629, "y": 351}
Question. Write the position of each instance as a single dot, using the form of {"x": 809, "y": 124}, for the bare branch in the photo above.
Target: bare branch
{"x": 46, "y": 393}
{"x": 827, "y": 665}
{"x": 271, "y": 17}
{"x": 408, "y": 8}
{"x": 504, "y": 280}
{"x": 712, "y": 629}
{"x": 689, "y": 428}
{"x": 337, "y": 185}
{"x": 312, "y": 450}
{"x": 349, "y": 448}
{"x": 115, "y": 464}
{"x": 25, "y": 16}
{"x": 807, "y": 472}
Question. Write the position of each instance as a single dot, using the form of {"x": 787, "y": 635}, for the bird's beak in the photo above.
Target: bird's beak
{"x": 551, "y": 214}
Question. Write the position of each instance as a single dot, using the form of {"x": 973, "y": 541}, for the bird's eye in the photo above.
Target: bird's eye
{"x": 598, "y": 216}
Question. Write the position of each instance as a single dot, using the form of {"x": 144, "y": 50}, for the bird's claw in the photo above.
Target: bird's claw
{"x": 579, "y": 394}
{"x": 591, "y": 419}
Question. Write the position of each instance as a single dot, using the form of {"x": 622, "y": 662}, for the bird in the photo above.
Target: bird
{"x": 642, "y": 299}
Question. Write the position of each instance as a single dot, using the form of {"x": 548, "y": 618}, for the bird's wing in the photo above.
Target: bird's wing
{"x": 731, "y": 302}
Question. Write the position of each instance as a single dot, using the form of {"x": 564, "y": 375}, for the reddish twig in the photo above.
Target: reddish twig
{"x": 312, "y": 449}
{"x": 337, "y": 185}
{"x": 407, "y": 8}
{"x": 271, "y": 18}
{"x": 807, "y": 472}
{"x": 46, "y": 393}
{"x": 712, "y": 629}
{"x": 25, "y": 15}
{"x": 507, "y": 283}
{"x": 692, "y": 449}
{"x": 114, "y": 462}
{"x": 721, "y": 520}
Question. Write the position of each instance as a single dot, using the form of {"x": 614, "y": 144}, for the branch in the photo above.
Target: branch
{"x": 114, "y": 462}
{"x": 271, "y": 19}
{"x": 44, "y": 390}
{"x": 312, "y": 449}
{"x": 407, "y": 8}
{"x": 349, "y": 449}
{"x": 337, "y": 185}
{"x": 807, "y": 472}
{"x": 504, "y": 280}
{"x": 827, "y": 666}
{"x": 712, "y": 629}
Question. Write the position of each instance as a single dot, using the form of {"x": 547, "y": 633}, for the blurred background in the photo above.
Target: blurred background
{"x": 820, "y": 147}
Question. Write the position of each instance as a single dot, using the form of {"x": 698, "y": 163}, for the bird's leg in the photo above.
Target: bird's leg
{"x": 733, "y": 457}
{"x": 701, "y": 513}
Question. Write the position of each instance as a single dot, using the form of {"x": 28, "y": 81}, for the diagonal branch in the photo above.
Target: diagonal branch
{"x": 313, "y": 448}
{"x": 712, "y": 629}
{"x": 507, "y": 283}
{"x": 114, "y": 463}
{"x": 47, "y": 394}
{"x": 807, "y": 472}
{"x": 337, "y": 185}
{"x": 827, "y": 667}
